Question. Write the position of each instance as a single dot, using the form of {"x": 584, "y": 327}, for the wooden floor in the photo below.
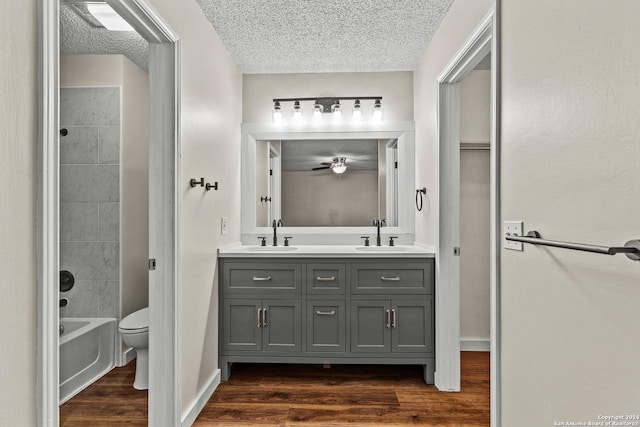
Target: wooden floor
{"x": 304, "y": 395}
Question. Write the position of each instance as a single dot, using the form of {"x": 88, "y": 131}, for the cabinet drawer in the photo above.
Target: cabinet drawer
{"x": 249, "y": 278}
{"x": 326, "y": 279}
{"x": 392, "y": 278}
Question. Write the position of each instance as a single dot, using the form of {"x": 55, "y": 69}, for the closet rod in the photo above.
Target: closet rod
{"x": 631, "y": 248}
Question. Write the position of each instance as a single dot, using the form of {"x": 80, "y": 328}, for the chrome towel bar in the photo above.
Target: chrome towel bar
{"x": 631, "y": 248}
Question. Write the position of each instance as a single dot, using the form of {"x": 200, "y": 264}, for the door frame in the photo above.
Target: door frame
{"x": 483, "y": 40}
{"x": 164, "y": 231}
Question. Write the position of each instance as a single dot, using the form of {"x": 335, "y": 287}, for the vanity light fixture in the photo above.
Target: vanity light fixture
{"x": 297, "y": 112}
{"x": 336, "y": 112}
{"x": 330, "y": 106}
{"x": 277, "y": 113}
{"x": 377, "y": 112}
{"x": 99, "y": 15}
{"x": 316, "y": 117}
{"x": 356, "y": 116}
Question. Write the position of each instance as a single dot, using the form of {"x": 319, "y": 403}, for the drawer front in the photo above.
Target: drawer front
{"x": 326, "y": 279}
{"x": 392, "y": 278}
{"x": 249, "y": 278}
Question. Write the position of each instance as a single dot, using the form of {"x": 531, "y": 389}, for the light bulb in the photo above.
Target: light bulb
{"x": 339, "y": 169}
{"x": 357, "y": 112}
{"x": 339, "y": 165}
{"x": 377, "y": 112}
{"x": 336, "y": 110}
{"x": 277, "y": 113}
{"x": 297, "y": 112}
{"x": 317, "y": 113}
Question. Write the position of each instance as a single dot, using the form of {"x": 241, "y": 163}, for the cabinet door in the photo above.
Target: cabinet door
{"x": 412, "y": 325}
{"x": 282, "y": 320}
{"x": 326, "y": 328}
{"x": 242, "y": 331}
{"x": 370, "y": 326}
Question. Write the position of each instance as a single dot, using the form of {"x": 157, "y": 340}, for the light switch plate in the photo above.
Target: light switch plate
{"x": 223, "y": 226}
{"x": 513, "y": 228}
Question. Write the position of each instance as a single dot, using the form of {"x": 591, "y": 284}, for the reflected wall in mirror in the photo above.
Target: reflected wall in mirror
{"x": 326, "y": 183}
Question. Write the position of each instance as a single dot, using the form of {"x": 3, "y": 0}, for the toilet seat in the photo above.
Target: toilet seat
{"x": 136, "y": 322}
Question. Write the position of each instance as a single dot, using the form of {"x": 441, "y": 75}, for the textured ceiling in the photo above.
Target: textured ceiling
{"x": 302, "y": 36}
{"x": 79, "y": 38}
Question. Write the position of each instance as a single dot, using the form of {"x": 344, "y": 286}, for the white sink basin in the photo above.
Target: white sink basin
{"x": 272, "y": 248}
{"x": 381, "y": 248}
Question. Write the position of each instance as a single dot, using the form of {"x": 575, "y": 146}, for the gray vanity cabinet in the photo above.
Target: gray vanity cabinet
{"x": 327, "y": 310}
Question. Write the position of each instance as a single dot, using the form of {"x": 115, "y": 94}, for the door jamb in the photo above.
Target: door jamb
{"x": 482, "y": 41}
{"x": 164, "y": 148}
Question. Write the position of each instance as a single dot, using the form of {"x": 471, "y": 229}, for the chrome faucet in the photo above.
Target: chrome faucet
{"x": 379, "y": 223}
{"x": 276, "y": 224}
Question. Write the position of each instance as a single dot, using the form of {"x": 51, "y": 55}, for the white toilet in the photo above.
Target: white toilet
{"x": 134, "y": 329}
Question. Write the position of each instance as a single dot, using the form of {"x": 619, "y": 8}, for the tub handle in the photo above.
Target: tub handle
{"x": 64, "y": 302}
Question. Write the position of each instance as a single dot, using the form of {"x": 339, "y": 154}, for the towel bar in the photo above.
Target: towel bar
{"x": 631, "y": 249}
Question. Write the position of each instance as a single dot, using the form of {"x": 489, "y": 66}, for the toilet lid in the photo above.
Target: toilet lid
{"x": 138, "y": 320}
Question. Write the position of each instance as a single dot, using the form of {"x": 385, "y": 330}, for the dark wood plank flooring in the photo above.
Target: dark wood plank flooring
{"x": 303, "y": 395}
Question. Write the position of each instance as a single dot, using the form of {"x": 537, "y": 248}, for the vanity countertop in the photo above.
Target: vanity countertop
{"x": 327, "y": 251}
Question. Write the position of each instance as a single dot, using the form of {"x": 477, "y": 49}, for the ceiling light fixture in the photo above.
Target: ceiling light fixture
{"x": 100, "y": 15}
{"x": 339, "y": 165}
{"x": 333, "y": 106}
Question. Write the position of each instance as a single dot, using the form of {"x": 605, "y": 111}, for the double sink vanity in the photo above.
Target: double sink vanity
{"x": 327, "y": 304}
{"x": 319, "y": 294}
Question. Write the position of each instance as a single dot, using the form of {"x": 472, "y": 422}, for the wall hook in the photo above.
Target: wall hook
{"x": 210, "y": 186}
{"x": 419, "y": 201}
{"x": 194, "y": 182}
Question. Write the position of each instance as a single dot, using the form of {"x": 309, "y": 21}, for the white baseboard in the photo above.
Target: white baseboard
{"x": 193, "y": 412}
{"x": 475, "y": 344}
{"x": 127, "y": 356}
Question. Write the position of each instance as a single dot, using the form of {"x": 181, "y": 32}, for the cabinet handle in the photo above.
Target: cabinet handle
{"x": 390, "y": 279}
{"x": 259, "y": 317}
{"x": 326, "y": 279}
{"x": 261, "y": 279}
{"x": 388, "y": 324}
{"x": 325, "y": 313}
{"x": 264, "y": 317}
{"x": 394, "y": 321}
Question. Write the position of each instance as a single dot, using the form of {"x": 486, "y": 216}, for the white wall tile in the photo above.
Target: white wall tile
{"x": 109, "y": 143}
{"x": 89, "y": 106}
{"x": 79, "y": 146}
{"x": 91, "y": 260}
{"x": 79, "y": 222}
{"x": 83, "y": 300}
{"x": 109, "y": 227}
{"x": 109, "y": 298}
{"x": 89, "y": 183}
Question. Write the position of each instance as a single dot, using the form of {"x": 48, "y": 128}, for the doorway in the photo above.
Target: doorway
{"x": 483, "y": 41}
{"x": 163, "y": 210}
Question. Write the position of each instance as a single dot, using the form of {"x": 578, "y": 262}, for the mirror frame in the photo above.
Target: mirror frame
{"x": 403, "y": 131}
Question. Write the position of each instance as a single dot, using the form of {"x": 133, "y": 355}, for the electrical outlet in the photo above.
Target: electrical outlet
{"x": 223, "y": 226}
{"x": 513, "y": 228}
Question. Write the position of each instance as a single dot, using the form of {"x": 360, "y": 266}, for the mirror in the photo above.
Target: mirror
{"x": 326, "y": 182}
{"x": 323, "y": 206}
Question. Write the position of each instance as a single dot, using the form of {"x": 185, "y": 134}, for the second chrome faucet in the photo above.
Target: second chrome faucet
{"x": 276, "y": 224}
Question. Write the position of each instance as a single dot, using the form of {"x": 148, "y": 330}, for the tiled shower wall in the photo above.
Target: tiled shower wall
{"x": 90, "y": 200}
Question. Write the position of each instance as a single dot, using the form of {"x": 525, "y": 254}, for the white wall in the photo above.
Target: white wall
{"x": 17, "y": 213}
{"x": 463, "y": 17}
{"x": 475, "y": 109}
{"x": 570, "y": 150}
{"x": 259, "y": 90}
{"x": 211, "y": 113}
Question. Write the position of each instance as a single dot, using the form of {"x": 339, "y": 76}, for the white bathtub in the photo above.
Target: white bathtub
{"x": 87, "y": 350}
